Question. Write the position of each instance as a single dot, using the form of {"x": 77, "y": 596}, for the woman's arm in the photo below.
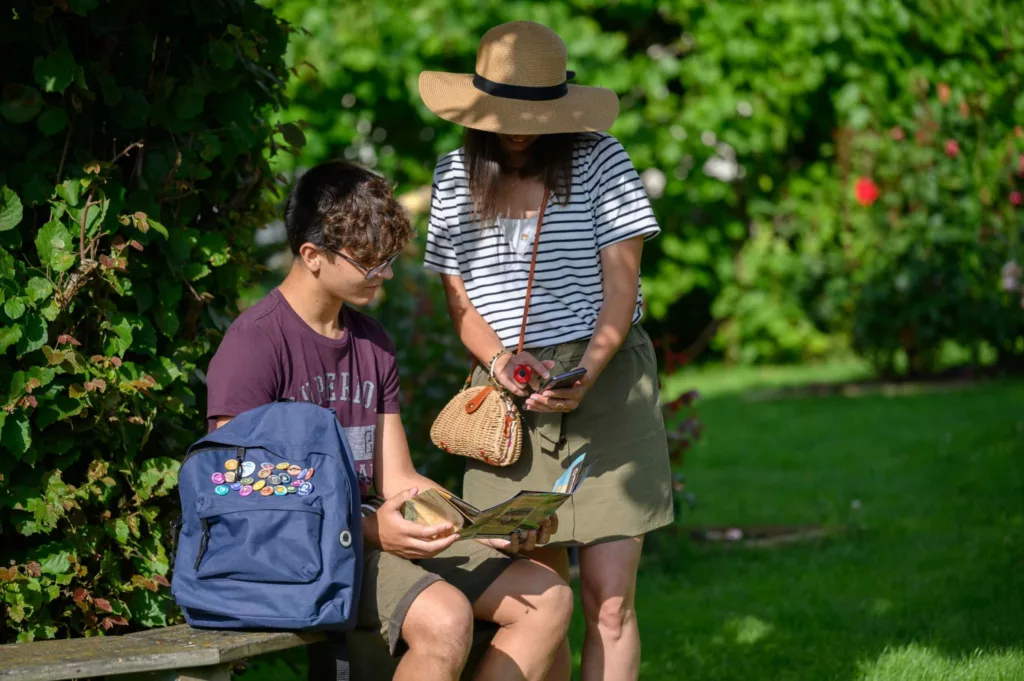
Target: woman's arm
{"x": 620, "y": 264}
{"x": 481, "y": 340}
{"x": 475, "y": 333}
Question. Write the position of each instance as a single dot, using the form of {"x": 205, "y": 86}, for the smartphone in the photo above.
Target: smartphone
{"x": 566, "y": 380}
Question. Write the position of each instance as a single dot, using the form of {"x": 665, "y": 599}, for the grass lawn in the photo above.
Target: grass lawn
{"x": 927, "y": 580}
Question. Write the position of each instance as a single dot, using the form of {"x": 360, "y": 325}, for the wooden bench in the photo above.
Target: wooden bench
{"x": 178, "y": 653}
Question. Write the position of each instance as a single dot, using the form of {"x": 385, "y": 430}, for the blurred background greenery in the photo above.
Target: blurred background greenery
{"x": 834, "y": 178}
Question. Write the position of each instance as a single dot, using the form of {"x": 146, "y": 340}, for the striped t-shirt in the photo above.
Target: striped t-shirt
{"x": 607, "y": 204}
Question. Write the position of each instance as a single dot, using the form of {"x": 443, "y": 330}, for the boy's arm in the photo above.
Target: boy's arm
{"x": 393, "y": 471}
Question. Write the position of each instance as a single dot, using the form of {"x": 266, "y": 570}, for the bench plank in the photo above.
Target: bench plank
{"x": 178, "y": 647}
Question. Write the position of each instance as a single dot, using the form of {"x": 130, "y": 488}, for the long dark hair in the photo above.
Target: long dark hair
{"x": 550, "y": 160}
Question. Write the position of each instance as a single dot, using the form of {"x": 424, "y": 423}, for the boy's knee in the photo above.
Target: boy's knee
{"x": 440, "y": 624}
{"x": 556, "y": 603}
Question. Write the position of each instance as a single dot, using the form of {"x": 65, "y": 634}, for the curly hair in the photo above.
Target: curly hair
{"x": 340, "y": 205}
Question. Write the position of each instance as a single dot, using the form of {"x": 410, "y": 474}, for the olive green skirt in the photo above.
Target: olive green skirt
{"x": 618, "y": 424}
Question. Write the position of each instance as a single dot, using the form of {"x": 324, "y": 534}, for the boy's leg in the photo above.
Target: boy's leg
{"x": 533, "y": 605}
{"x": 556, "y": 558}
{"x": 438, "y": 630}
{"x": 412, "y": 612}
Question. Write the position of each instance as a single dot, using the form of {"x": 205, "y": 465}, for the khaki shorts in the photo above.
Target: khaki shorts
{"x": 619, "y": 426}
{"x": 391, "y": 584}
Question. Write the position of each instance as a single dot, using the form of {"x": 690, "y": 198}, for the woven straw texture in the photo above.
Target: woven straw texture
{"x": 520, "y": 53}
{"x": 492, "y": 433}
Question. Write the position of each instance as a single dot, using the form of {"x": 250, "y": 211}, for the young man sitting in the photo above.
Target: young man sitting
{"x": 421, "y": 590}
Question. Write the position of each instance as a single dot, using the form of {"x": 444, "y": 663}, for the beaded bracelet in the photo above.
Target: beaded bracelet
{"x": 490, "y": 365}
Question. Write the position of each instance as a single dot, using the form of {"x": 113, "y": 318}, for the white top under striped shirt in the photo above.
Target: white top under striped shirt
{"x": 608, "y": 204}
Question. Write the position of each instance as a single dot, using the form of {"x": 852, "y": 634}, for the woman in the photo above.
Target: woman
{"x": 528, "y": 131}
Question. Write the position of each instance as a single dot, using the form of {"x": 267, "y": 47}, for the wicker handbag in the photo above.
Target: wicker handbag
{"x": 483, "y": 422}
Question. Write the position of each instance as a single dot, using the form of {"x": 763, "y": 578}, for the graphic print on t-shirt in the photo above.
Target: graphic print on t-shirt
{"x": 360, "y": 441}
{"x": 331, "y": 387}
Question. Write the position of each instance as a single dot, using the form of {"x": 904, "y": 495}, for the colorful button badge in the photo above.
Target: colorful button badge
{"x": 221, "y": 489}
{"x": 231, "y": 464}
{"x": 246, "y": 490}
{"x": 248, "y": 468}
{"x": 258, "y": 485}
{"x": 229, "y": 476}
{"x": 264, "y": 473}
{"x": 305, "y": 489}
{"x": 218, "y": 478}
{"x": 294, "y": 470}
{"x": 280, "y": 490}
{"x": 266, "y": 491}
{"x": 282, "y": 466}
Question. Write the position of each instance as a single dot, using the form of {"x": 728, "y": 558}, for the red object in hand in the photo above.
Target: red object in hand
{"x": 522, "y": 374}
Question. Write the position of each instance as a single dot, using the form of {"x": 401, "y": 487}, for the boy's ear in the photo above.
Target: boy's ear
{"x": 311, "y": 257}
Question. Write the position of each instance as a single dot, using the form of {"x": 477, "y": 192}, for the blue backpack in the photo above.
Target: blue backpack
{"x": 271, "y": 533}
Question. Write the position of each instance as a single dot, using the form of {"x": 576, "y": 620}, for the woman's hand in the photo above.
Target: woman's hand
{"x": 394, "y": 534}
{"x": 527, "y": 540}
{"x": 561, "y": 401}
{"x": 505, "y": 366}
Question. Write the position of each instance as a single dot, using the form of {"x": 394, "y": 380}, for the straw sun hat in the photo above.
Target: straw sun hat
{"x": 520, "y": 87}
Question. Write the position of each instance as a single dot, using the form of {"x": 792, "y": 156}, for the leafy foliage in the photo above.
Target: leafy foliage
{"x": 736, "y": 113}
{"x": 134, "y": 175}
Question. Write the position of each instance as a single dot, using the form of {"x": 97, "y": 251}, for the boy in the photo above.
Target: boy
{"x": 421, "y": 591}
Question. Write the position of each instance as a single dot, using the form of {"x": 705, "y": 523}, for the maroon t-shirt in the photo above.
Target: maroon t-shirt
{"x": 270, "y": 353}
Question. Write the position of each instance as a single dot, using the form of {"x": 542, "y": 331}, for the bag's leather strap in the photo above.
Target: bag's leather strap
{"x": 533, "y": 266}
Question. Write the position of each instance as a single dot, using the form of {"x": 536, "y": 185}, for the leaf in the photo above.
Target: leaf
{"x": 16, "y": 437}
{"x": 133, "y": 111}
{"x": 33, "y": 569}
{"x": 293, "y": 135}
{"x": 157, "y": 477}
{"x": 56, "y": 71}
{"x": 142, "y": 582}
{"x": 34, "y": 335}
{"x": 70, "y": 191}
{"x": 38, "y": 289}
{"x": 56, "y": 563}
{"x": 10, "y": 209}
{"x": 9, "y": 335}
{"x": 14, "y": 308}
{"x": 108, "y": 87}
{"x": 159, "y": 229}
{"x": 20, "y": 103}
{"x": 121, "y": 531}
{"x": 196, "y": 270}
{"x": 53, "y": 244}
{"x": 121, "y": 340}
{"x": 102, "y": 604}
{"x": 52, "y": 121}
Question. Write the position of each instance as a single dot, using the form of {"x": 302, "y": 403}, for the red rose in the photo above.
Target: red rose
{"x": 952, "y": 148}
{"x": 1016, "y": 198}
{"x": 865, "y": 191}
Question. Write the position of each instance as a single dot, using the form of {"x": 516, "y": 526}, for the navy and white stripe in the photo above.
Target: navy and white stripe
{"x": 608, "y": 204}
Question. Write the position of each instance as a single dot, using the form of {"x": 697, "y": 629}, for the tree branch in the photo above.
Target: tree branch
{"x": 85, "y": 215}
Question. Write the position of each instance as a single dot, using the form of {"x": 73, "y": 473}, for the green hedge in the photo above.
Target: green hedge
{"x": 134, "y": 137}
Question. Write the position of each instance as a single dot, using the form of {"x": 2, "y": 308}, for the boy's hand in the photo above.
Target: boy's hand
{"x": 394, "y": 534}
{"x": 526, "y": 540}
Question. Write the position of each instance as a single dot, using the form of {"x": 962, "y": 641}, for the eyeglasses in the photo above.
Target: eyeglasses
{"x": 370, "y": 272}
